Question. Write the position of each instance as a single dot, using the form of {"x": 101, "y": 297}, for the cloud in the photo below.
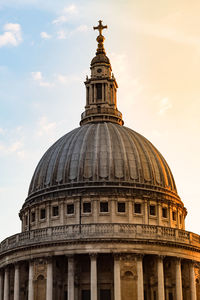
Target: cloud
{"x": 62, "y": 34}
{"x": 37, "y": 76}
{"x": 71, "y": 9}
{"x": 45, "y": 35}
{"x": 60, "y": 20}
{"x": 165, "y": 105}
{"x": 64, "y": 79}
{"x": 15, "y": 147}
{"x": 67, "y": 13}
{"x": 45, "y": 127}
{"x": 82, "y": 28}
{"x": 12, "y": 35}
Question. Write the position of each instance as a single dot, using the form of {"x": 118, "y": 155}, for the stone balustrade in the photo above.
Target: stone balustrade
{"x": 100, "y": 231}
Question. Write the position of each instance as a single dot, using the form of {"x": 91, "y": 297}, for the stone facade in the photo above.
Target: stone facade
{"x": 102, "y": 220}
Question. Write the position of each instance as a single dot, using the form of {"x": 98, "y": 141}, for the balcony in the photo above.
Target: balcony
{"x": 99, "y": 232}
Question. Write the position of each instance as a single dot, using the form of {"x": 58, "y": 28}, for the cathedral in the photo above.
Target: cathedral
{"x": 102, "y": 219}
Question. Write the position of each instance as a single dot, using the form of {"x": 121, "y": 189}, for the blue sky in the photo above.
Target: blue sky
{"x": 45, "y": 53}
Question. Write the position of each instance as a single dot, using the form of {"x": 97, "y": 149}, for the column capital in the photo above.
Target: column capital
{"x": 49, "y": 259}
{"x": 161, "y": 257}
{"x": 93, "y": 255}
{"x": 117, "y": 256}
{"x": 139, "y": 256}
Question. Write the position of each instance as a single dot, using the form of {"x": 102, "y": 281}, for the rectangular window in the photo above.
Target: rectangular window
{"x": 154, "y": 295}
{"x": 105, "y": 295}
{"x": 137, "y": 208}
{"x": 99, "y": 91}
{"x": 180, "y": 219}
{"x": 152, "y": 210}
{"x": 33, "y": 217}
{"x": 85, "y": 295}
{"x": 26, "y": 220}
{"x": 87, "y": 207}
{"x": 55, "y": 211}
{"x": 121, "y": 207}
{"x": 42, "y": 213}
{"x": 103, "y": 206}
{"x": 174, "y": 216}
{"x": 164, "y": 212}
{"x": 170, "y": 296}
{"x": 70, "y": 209}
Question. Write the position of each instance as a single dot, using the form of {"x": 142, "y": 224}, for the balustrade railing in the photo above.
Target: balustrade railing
{"x": 100, "y": 231}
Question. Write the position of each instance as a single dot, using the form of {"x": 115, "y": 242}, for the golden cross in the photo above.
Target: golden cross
{"x": 100, "y": 27}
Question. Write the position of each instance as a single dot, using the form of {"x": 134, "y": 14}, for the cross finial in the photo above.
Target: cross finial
{"x": 100, "y": 27}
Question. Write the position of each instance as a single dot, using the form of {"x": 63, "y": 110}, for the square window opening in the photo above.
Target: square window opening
{"x": 70, "y": 209}
{"x": 103, "y": 206}
{"x": 55, "y": 211}
{"x": 164, "y": 212}
{"x": 87, "y": 207}
{"x": 42, "y": 213}
{"x": 152, "y": 210}
{"x": 174, "y": 216}
{"x": 137, "y": 208}
{"x": 121, "y": 206}
{"x": 33, "y": 217}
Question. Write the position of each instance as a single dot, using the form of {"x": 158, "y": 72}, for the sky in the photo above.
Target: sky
{"x": 45, "y": 52}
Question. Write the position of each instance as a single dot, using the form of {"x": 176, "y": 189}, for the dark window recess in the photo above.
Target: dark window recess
{"x": 121, "y": 206}
{"x": 154, "y": 295}
{"x": 33, "y": 217}
{"x": 43, "y": 213}
{"x": 152, "y": 210}
{"x": 103, "y": 206}
{"x": 170, "y": 296}
{"x": 145, "y": 295}
{"x": 174, "y": 215}
{"x": 105, "y": 295}
{"x": 55, "y": 211}
{"x": 164, "y": 212}
{"x": 26, "y": 220}
{"x": 180, "y": 219}
{"x": 85, "y": 295}
{"x": 65, "y": 295}
{"x": 137, "y": 208}
{"x": 86, "y": 207}
{"x": 70, "y": 209}
{"x": 99, "y": 90}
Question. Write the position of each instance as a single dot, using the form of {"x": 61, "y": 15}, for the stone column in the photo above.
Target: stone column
{"x": 146, "y": 212}
{"x": 95, "y": 93}
{"x": 1, "y": 285}
{"x": 49, "y": 285}
{"x": 93, "y": 276}
{"x": 30, "y": 282}
{"x": 103, "y": 92}
{"x": 70, "y": 278}
{"x": 16, "y": 282}
{"x": 161, "y": 286}
{"x": 6, "y": 285}
{"x": 179, "y": 293}
{"x": 117, "y": 279}
{"x": 192, "y": 282}
{"x": 140, "y": 285}
{"x": 159, "y": 207}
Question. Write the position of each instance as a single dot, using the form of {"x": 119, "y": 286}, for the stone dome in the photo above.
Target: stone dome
{"x": 102, "y": 154}
{"x": 100, "y": 58}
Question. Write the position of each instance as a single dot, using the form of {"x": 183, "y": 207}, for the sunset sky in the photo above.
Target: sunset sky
{"x": 45, "y": 53}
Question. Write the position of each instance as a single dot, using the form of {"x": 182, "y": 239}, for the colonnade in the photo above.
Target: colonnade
{"x": 4, "y": 279}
